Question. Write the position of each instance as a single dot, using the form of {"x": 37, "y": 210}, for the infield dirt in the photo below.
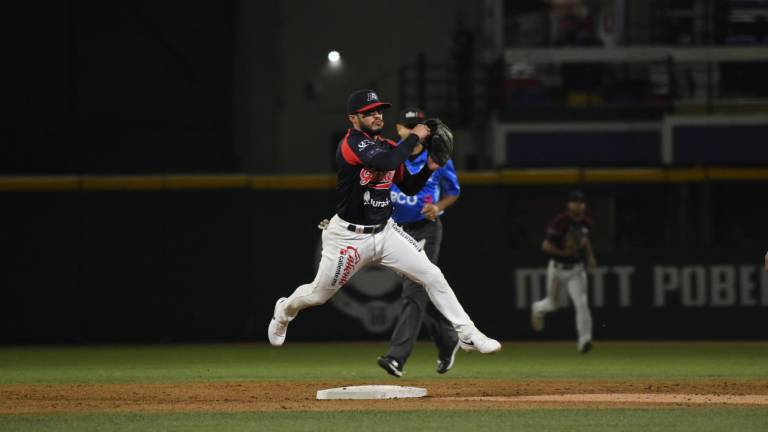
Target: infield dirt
{"x": 443, "y": 395}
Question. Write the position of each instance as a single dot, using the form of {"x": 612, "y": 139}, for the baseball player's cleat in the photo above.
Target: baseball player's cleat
{"x": 586, "y": 347}
{"x": 277, "y": 330}
{"x": 391, "y": 365}
{"x": 445, "y": 363}
{"x": 480, "y": 343}
{"x": 537, "y": 320}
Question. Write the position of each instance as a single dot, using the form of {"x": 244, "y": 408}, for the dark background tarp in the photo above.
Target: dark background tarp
{"x": 177, "y": 265}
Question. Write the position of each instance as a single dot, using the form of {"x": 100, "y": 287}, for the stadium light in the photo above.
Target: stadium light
{"x": 334, "y": 57}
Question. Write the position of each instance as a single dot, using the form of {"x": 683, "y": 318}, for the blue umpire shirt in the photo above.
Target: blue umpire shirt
{"x": 407, "y": 209}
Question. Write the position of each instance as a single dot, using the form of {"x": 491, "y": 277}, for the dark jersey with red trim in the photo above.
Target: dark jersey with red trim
{"x": 362, "y": 193}
{"x": 562, "y": 227}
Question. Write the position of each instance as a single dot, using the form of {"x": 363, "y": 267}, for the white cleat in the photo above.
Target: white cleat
{"x": 277, "y": 329}
{"x": 480, "y": 343}
{"x": 537, "y": 320}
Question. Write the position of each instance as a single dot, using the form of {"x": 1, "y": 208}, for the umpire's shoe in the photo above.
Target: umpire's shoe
{"x": 445, "y": 360}
{"x": 391, "y": 365}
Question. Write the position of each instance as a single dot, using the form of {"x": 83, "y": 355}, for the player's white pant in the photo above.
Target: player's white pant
{"x": 345, "y": 252}
{"x": 575, "y": 281}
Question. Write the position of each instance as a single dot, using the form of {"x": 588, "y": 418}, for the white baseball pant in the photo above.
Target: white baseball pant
{"x": 345, "y": 252}
{"x": 575, "y": 281}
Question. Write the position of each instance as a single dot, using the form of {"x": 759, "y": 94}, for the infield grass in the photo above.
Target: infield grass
{"x": 641, "y": 420}
{"x": 357, "y": 361}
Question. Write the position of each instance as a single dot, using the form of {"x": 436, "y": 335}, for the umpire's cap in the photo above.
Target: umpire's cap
{"x": 410, "y": 117}
{"x": 577, "y": 195}
{"x": 364, "y": 100}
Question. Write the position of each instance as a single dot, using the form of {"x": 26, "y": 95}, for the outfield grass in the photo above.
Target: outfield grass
{"x": 339, "y": 361}
{"x": 353, "y": 362}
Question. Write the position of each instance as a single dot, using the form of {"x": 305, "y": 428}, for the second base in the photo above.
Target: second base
{"x": 372, "y": 392}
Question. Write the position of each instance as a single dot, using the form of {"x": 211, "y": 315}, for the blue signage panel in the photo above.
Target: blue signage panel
{"x": 719, "y": 145}
{"x": 583, "y": 148}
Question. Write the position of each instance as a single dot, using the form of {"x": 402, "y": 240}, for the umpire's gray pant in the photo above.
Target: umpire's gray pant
{"x": 416, "y": 305}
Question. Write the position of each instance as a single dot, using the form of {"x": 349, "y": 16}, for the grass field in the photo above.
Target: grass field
{"x": 740, "y": 366}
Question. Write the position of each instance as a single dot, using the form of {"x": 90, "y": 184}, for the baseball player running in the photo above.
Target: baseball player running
{"x": 567, "y": 243}
{"x": 419, "y": 216}
{"x": 362, "y": 232}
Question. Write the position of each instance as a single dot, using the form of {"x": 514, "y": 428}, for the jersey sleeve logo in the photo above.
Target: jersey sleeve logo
{"x": 376, "y": 179}
{"x": 364, "y": 143}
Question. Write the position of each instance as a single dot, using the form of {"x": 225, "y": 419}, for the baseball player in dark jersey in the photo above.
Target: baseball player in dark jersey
{"x": 567, "y": 243}
{"x": 419, "y": 216}
{"x": 362, "y": 232}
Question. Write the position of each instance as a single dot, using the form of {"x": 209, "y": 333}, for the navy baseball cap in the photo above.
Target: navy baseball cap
{"x": 364, "y": 100}
{"x": 411, "y": 117}
{"x": 577, "y": 195}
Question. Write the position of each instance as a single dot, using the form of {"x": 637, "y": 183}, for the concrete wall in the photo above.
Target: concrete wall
{"x": 141, "y": 87}
{"x": 256, "y": 105}
{"x": 375, "y": 40}
{"x": 116, "y": 87}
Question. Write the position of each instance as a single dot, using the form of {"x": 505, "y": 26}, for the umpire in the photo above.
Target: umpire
{"x": 419, "y": 215}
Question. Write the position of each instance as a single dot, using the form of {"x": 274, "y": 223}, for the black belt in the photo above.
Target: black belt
{"x": 416, "y": 225}
{"x": 366, "y": 229}
{"x": 565, "y": 266}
